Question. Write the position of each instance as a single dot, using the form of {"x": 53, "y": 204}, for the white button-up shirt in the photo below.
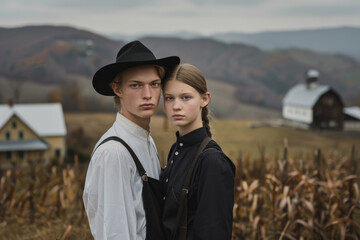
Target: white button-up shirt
{"x": 113, "y": 186}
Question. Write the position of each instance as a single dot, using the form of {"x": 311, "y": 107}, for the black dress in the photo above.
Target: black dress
{"x": 211, "y": 192}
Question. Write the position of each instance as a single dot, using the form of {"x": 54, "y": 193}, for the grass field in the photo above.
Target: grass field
{"x": 234, "y": 136}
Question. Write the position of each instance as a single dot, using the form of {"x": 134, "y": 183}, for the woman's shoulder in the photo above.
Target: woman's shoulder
{"x": 213, "y": 157}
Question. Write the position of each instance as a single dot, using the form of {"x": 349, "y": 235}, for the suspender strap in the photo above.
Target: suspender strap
{"x": 181, "y": 217}
{"x": 136, "y": 160}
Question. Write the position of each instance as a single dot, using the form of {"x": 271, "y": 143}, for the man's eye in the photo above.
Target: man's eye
{"x": 135, "y": 85}
{"x": 155, "y": 84}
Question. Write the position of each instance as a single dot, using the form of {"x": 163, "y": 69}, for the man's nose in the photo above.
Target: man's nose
{"x": 147, "y": 93}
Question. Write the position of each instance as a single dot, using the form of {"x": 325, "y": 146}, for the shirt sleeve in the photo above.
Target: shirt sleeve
{"x": 215, "y": 199}
{"x": 108, "y": 195}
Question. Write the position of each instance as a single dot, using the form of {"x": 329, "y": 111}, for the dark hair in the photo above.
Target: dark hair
{"x": 193, "y": 77}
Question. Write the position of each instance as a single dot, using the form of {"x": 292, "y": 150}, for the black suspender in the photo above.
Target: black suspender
{"x": 181, "y": 217}
{"x": 136, "y": 160}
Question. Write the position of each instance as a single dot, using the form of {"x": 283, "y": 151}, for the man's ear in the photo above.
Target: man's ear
{"x": 205, "y": 99}
{"x": 116, "y": 89}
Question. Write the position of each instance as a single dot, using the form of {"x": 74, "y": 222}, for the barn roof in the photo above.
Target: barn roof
{"x": 45, "y": 119}
{"x": 353, "y": 112}
{"x": 302, "y": 96}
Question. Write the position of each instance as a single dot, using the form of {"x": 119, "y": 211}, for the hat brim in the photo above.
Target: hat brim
{"x": 106, "y": 74}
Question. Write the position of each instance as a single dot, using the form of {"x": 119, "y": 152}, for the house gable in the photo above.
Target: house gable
{"x": 15, "y": 129}
{"x": 46, "y": 119}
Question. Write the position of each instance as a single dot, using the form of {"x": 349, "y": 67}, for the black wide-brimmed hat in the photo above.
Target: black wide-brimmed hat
{"x": 131, "y": 55}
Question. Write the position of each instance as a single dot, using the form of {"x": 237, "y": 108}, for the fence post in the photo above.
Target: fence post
{"x": 262, "y": 166}
{"x": 283, "y": 173}
{"x": 354, "y": 171}
{"x": 31, "y": 192}
{"x": 318, "y": 163}
{"x": 240, "y": 168}
{"x": 353, "y": 160}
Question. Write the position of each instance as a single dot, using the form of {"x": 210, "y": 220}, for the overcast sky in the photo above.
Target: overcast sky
{"x": 166, "y": 16}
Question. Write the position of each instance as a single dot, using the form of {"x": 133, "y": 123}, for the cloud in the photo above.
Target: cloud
{"x": 202, "y": 16}
{"x": 79, "y": 4}
{"x": 331, "y": 9}
{"x": 227, "y": 2}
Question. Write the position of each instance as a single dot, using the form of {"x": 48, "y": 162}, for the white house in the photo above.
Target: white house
{"x": 32, "y": 132}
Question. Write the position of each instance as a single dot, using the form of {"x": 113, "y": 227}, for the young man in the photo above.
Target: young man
{"x": 112, "y": 196}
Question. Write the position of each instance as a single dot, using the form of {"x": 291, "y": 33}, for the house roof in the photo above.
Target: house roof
{"x": 45, "y": 119}
{"x": 23, "y": 145}
{"x": 353, "y": 112}
{"x": 301, "y": 96}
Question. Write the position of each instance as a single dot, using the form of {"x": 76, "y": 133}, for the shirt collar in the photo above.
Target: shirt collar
{"x": 132, "y": 127}
{"x": 193, "y": 137}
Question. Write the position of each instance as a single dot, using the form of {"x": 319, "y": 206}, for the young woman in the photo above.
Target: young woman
{"x": 209, "y": 199}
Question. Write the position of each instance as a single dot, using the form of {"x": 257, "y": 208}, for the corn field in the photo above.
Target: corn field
{"x": 307, "y": 197}
{"x": 43, "y": 202}
{"x": 314, "y": 198}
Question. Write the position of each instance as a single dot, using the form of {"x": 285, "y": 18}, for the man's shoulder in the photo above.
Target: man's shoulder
{"x": 112, "y": 153}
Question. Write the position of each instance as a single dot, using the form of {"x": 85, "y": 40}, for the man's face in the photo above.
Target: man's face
{"x": 139, "y": 93}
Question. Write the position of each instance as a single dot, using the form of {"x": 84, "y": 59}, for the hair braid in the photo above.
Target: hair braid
{"x": 205, "y": 119}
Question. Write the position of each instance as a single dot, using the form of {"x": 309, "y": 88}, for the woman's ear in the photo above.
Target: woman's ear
{"x": 116, "y": 89}
{"x": 205, "y": 99}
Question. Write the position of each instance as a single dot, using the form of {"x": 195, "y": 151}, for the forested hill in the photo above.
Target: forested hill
{"x": 50, "y": 55}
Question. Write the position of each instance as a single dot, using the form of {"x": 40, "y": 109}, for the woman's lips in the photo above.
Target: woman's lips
{"x": 177, "y": 116}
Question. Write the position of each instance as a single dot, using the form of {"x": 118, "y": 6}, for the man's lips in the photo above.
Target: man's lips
{"x": 147, "y": 106}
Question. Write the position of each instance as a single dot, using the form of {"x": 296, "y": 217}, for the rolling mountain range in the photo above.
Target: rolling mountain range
{"x": 60, "y": 59}
{"x": 337, "y": 40}
{"x": 340, "y": 40}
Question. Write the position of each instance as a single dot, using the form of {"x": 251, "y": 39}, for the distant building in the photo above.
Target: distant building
{"x": 352, "y": 118}
{"x": 317, "y": 106}
{"x": 34, "y": 132}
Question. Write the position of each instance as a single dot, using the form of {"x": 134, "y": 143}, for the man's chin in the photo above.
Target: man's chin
{"x": 147, "y": 114}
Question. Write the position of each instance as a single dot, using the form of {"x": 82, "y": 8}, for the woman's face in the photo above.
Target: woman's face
{"x": 183, "y": 105}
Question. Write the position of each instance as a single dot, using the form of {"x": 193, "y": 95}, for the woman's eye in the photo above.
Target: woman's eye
{"x": 169, "y": 98}
{"x": 186, "y": 97}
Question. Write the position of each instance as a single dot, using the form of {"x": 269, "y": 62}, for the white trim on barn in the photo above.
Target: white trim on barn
{"x": 352, "y": 124}
{"x": 301, "y": 114}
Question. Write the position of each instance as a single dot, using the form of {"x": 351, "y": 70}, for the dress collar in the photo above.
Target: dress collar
{"x": 132, "y": 127}
{"x": 192, "y": 137}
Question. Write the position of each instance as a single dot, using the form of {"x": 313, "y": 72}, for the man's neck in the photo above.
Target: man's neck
{"x": 141, "y": 122}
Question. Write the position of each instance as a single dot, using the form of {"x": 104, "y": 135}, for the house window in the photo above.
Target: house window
{"x": 57, "y": 152}
{"x": 21, "y": 135}
{"x": 21, "y": 154}
{"x": 7, "y": 135}
{"x": 8, "y": 155}
{"x": 14, "y": 124}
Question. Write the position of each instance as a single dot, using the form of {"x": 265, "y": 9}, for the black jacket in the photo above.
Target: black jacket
{"x": 211, "y": 192}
